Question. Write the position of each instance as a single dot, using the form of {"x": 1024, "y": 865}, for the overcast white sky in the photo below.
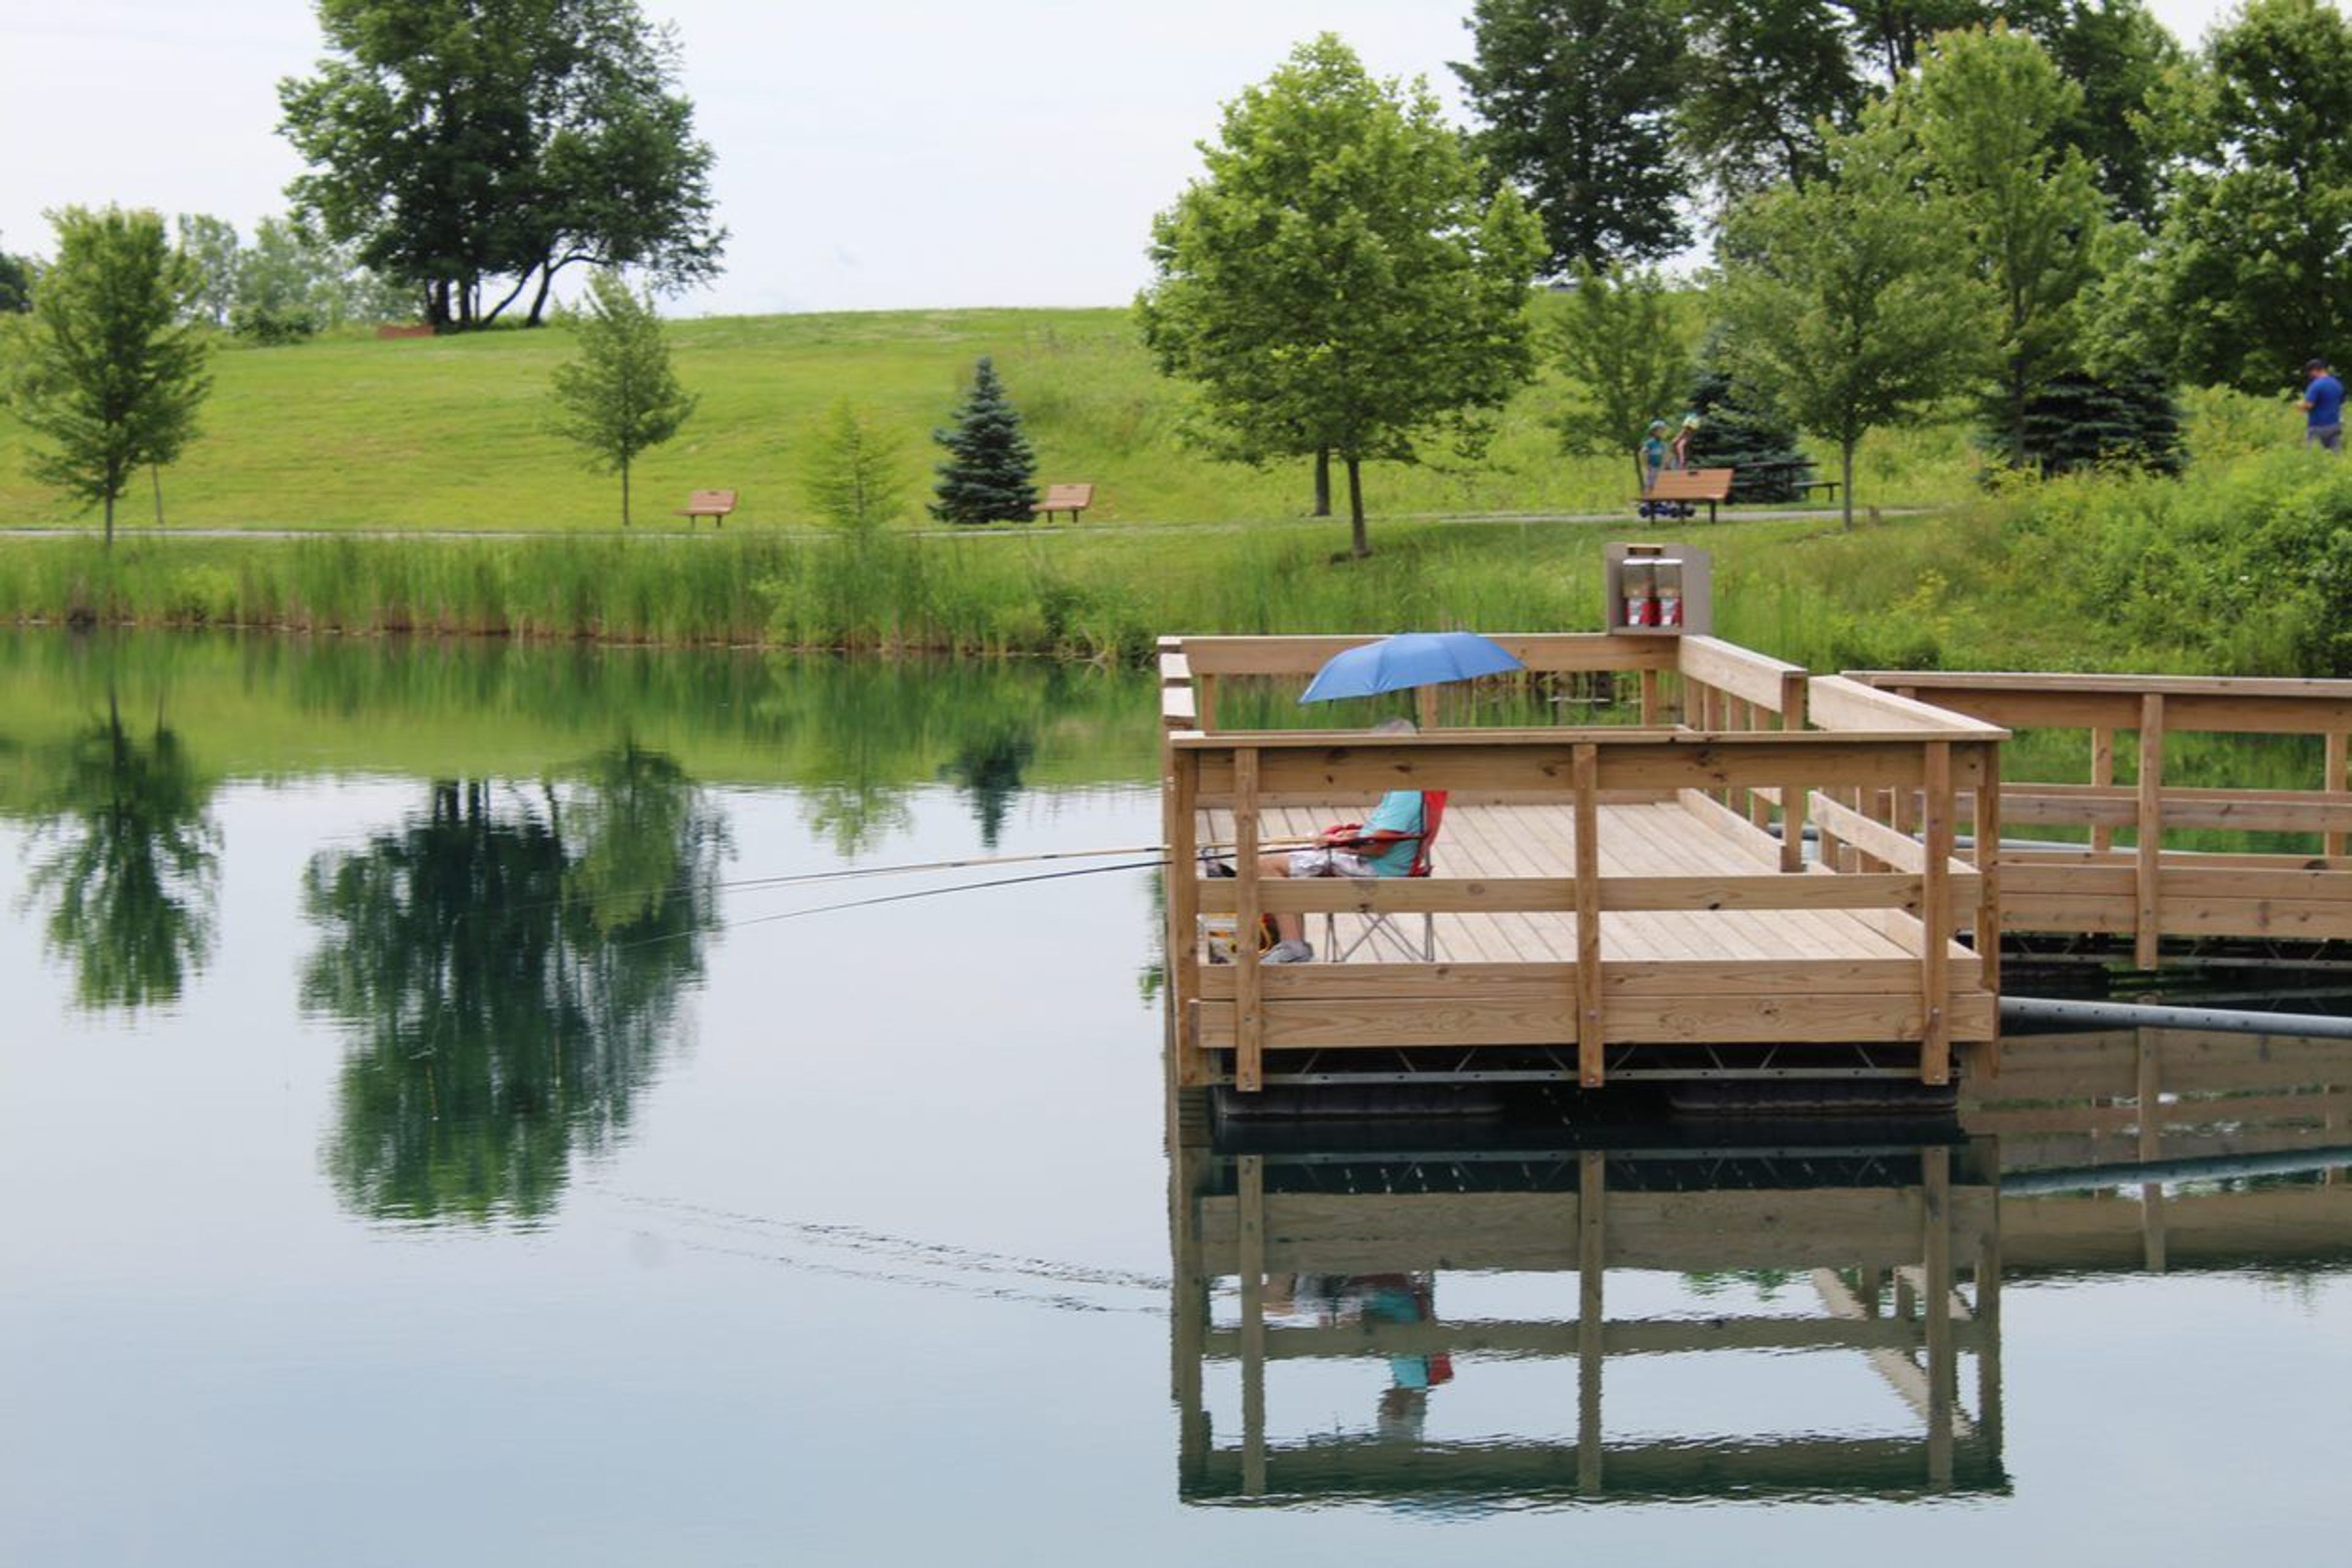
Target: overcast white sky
{"x": 872, "y": 155}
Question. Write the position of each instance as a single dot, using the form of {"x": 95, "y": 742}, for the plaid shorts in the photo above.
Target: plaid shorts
{"x": 1325, "y": 862}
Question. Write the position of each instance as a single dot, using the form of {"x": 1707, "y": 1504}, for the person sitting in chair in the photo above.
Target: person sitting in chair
{"x": 1384, "y": 844}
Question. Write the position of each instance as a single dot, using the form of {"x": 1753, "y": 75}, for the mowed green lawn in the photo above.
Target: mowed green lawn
{"x": 452, "y": 433}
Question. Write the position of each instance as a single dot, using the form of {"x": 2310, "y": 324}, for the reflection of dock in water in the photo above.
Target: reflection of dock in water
{"x": 2171, "y": 1149}
{"x": 1899, "y": 1239}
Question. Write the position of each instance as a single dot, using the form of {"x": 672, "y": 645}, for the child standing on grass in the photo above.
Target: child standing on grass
{"x": 1654, "y": 455}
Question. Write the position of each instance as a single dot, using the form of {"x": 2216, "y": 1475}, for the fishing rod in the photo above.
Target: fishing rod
{"x": 848, "y": 873}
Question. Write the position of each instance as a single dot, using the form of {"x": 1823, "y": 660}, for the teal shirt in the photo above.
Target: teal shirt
{"x": 1399, "y": 811}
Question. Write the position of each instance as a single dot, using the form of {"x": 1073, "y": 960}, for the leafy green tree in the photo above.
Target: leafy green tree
{"x": 991, "y": 474}
{"x": 2257, "y": 238}
{"x": 2120, "y": 55}
{"x": 1762, "y": 79}
{"x": 290, "y": 284}
{"x": 620, "y": 397}
{"x": 133, "y": 870}
{"x": 1844, "y": 301}
{"x": 854, "y": 471}
{"x": 111, "y": 373}
{"x": 1337, "y": 282}
{"x": 1621, "y": 342}
{"x": 15, "y": 284}
{"x": 1576, "y": 100}
{"x": 1889, "y": 35}
{"x": 211, "y": 245}
{"x": 466, "y": 144}
{"x": 1989, "y": 110}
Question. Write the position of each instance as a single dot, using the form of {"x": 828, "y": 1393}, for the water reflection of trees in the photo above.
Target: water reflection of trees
{"x": 127, "y": 855}
{"x": 509, "y": 965}
{"x": 867, "y": 736}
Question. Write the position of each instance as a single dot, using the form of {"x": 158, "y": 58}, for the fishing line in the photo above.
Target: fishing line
{"x": 900, "y": 898}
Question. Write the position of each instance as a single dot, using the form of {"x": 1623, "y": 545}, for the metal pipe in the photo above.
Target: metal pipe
{"x": 2194, "y": 1168}
{"x": 2144, "y": 1015}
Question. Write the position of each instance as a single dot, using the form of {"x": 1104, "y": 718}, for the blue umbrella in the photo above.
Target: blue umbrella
{"x": 1408, "y": 659}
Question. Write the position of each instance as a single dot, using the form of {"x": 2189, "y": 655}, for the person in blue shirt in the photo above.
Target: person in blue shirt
{"x": 1384, "y": 844}
{"x": 2323, "y": 405}
{"x": 1654, "y": 455}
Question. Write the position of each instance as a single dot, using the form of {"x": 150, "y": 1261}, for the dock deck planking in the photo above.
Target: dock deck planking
{"x": 1666, "y": 839}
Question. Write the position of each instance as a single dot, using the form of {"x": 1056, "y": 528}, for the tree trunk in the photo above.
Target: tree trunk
{"x": 624, "y": 493}
{"x": 110, "y": 520}
{"x": 156, "y": 476}
{"x": 512, "y": 294}
{"x": 1845, "y": 458}
{"x": 1322, "y": 481}
{"x": 1362, "y": 546}
{"x": 539, "y": 301}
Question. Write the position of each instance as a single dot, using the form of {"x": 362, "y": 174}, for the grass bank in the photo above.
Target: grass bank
{"x": 451, "y": 433}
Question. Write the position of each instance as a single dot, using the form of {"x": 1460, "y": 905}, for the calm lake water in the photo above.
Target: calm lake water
{"x": 430, "y": 1130}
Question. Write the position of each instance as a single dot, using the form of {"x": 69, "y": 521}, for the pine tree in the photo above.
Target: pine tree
{"x": 2082, "y": 421}
{"x": 991, "y": 474}
{"x": 1740, "y": 429}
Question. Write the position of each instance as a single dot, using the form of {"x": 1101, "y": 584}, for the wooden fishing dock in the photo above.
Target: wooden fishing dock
{"x": 1747, "y": 871}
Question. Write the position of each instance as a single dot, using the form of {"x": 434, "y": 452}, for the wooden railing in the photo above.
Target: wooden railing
{"x": 2149, "y": 889}
{"x": 1752, "y": 758}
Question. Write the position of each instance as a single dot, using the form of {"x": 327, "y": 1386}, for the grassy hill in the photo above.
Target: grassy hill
{"x": 451, "y": 433}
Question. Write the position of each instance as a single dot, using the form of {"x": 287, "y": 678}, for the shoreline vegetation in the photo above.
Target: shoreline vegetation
{"x": 371, "y": 453}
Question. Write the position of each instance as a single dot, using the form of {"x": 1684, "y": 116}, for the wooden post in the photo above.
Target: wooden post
{"x": 1987, "y": 858}
{"x": 1936, "y": 921}
{"x": 1651, "y": 706}
{"x": 2103, "y": 775}
{"x": 2150, "y": 931}
{"x": 1252, "y": 1325}
{"x": 1424, "y": 701}
{"x": 1943, "y": 1356}
{"x": 1184, "y": 889}
{"x": 1588, "y": 1041}
{"x": 1592, "y": 1268}
{"x": 1792, "y": 796}
{"x": 2339, "y": 753}
{"x": 1249, "y": 979}
{"x": 1204, "y": 694}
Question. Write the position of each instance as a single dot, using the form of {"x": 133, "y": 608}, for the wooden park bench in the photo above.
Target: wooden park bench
{"x": 1683, "y": 486}
{"x": 712, "y": 504}
{"x": 1072, "y": 499}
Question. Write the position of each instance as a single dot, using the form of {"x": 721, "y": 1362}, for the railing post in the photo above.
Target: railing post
{"x": 1794, "y": 797}
{"x": 2102, "y": 776}
{"x": 1184, "y": 890}
{"x": 2148, "y": 931}
{"x": 1590, "y": 1055}
{"x": 1249, "y": 978}
{"x": 1936, "y": 920}
{"x": 1987, "y": 865}
{"x": 2339, "y": 754}
{"x": 1204, "y": 693}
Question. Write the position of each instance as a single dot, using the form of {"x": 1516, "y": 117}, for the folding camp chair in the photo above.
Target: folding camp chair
{"x": 1378, "y": 928}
